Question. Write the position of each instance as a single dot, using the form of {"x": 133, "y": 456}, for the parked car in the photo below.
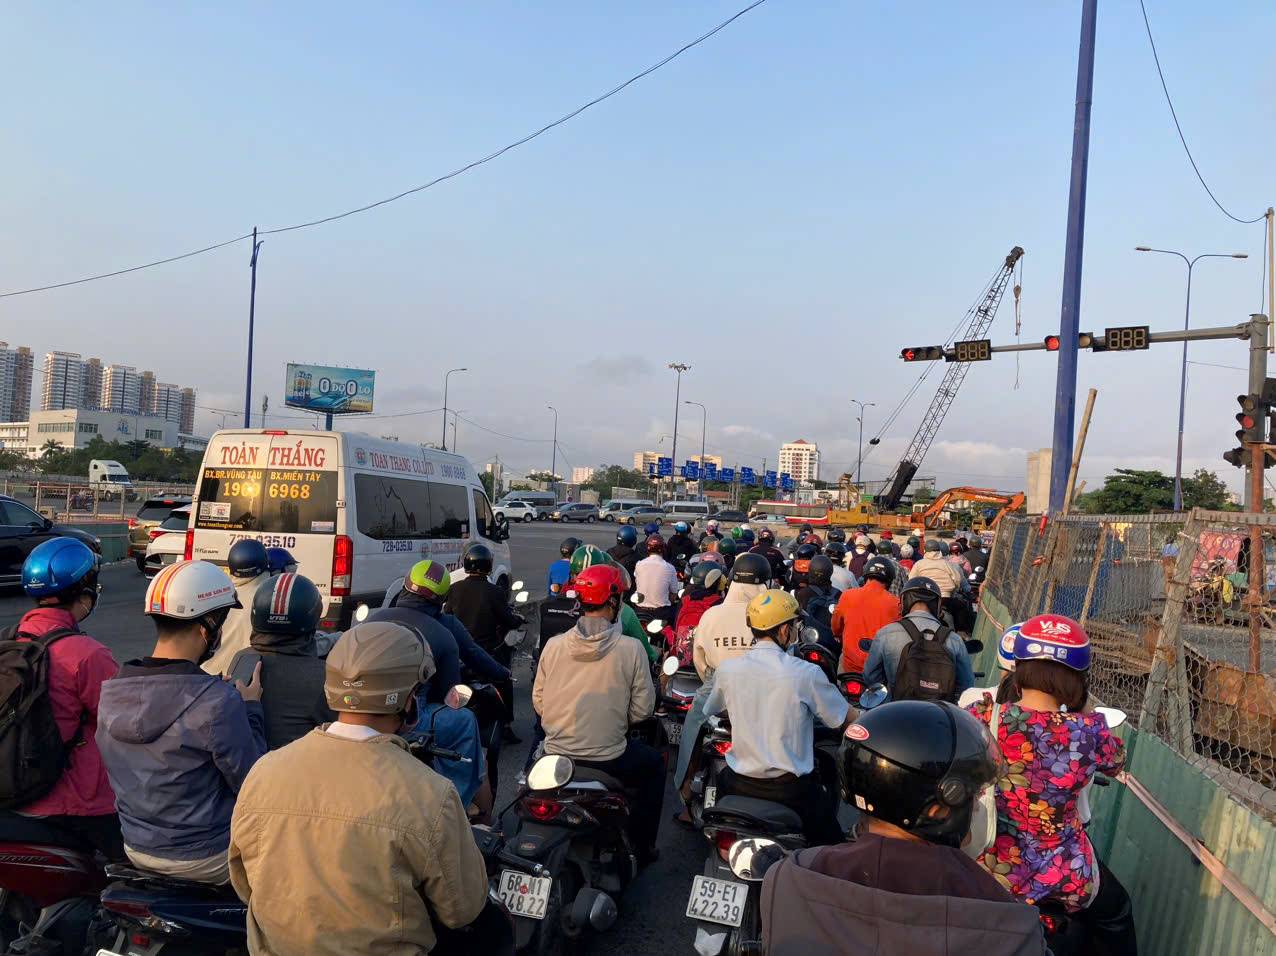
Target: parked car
{"x": 150, "y": 515}
{"x": 738, "y": 516}
{"x": 22, "y": 530}
{"x": 576, "y": 511}
{"x": 518, "y": 511}
{"x": 167, "y": 541}
{"x": 642, "y": 515}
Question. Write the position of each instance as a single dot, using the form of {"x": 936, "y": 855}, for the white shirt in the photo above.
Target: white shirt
{"x": 351, "y": 731}
{"x": 774, "y": 701}
{"x": 842, "y": 579}
{"x": 656, "y": 580}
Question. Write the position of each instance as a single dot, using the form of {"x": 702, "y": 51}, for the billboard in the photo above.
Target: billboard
{"x": 329, "y": 389}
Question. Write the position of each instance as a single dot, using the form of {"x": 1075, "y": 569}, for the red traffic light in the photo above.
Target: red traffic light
{"x": 909, "y": 355}
{"x": 1052, "y": 343}
{"x": 1245, "y": 421}
{"x": 922, "y": 353}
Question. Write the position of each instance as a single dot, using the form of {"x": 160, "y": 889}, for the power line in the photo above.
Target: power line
{"x": 1183, "y": 139}
{"x": 415, "y": 189}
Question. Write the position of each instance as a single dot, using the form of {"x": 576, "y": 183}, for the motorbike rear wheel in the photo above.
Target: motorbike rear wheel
{"x": 551, "y": 936}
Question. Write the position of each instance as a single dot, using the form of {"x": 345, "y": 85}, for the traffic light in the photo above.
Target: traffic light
{"x": 922, "y": 353}
{"x": 1052, "y": 343}
{"x": 1235, "y": 457}
{"x": 1250, "y": 418}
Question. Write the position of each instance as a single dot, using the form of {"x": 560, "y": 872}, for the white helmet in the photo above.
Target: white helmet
{"x": 190, "y": 589}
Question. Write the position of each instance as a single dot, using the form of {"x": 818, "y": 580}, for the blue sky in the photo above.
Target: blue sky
{"x": 783, "y": 208}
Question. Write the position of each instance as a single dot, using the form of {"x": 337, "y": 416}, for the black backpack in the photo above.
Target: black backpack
{"x": 33, "y": 755}
{"x": 926, "y": 671}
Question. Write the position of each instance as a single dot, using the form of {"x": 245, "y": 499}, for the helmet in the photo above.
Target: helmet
{"x": 747, "y": 538}
{"x": 766, "y": 536}
{"x": 428, "y": 579}
{"x": 954, "y": 548}
{"x": 650, "y": 528}
{"x": 862, "y": 541}
{"x": 597, "y": 585}
{"x": 880, "y": 569}
{"x": 900, "y": 760}
{"x": 374, "y": 667}
{"x": 727, "y": 546}
{"x": 906, "y": 551}
{"x": 1053, "y": 637}
{"x": 189, "y": 590}
{"x": 711, "y": 524}
{"x": 802, "y": 557}
{"x": 751, "y": 569}
{"x": 477, "y": 559}
{"x": 247, "y": 559}
{"x": 588, "y": 555}
{"x": 569, "y": 545}
{"x": 886, "y": 536}
{"x": 627, "y": 536}
{"x": 655, "y": 544}
{"x": 736, "y": 533}
{"x": 921, "y": 589}
{"x": 770, "y": 609}
{"x": 708, "y": 576}
{"x": 836, "y": 551}
{"x": 681, "y": 527}
{"x": 1006, "y": 647}
{"x": 914, "y": 542}
{"x": 279, "y": 560}
{"x": 837, "y": 534}
{"x": 63, "y": 567}
{"x": 820, "y": 570}
{"x": 288, "y": 604}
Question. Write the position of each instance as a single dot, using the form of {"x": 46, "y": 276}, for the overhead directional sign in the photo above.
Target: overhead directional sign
{"x": 664, "y": 467}
{"x": 770, "y": 479}
{"x": 747, "y": 477}
{"x": 691, "y": 471}
{"x": 710, "y": 471}
{"x": 726, "y": 474}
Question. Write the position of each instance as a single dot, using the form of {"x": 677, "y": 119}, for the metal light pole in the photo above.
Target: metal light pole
{"x": 252, "y": 309}
{"x": 1187, "y": 315}
{"x": 445, "y": 378}
{"x": 553, "y": 468}
{"x": 677, "y": 400}
{"x": 859, "y": 461}
{"x": 704, "y": 424}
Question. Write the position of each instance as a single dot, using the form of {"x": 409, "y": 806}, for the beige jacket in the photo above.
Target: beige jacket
{"x": 591, "y": 684}
{"x": 337, "y": 846}
{"x": 939, "y": 570}
{"x": 722, "y": 632}
{"x": 238, "y": 629}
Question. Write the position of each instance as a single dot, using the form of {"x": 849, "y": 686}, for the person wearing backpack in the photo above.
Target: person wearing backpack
{"x": 49, "y": 665}
{"x": 918, "y": 657}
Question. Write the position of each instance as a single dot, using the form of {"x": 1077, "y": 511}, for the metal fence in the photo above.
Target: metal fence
{"x": 76, "y": 500}
{"x": 1181, "y": 640}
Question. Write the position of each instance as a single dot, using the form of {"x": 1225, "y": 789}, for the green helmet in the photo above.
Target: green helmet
{"x": 727, "y": 546}
{"x": 429, "y": 579}
{"x": 735, "y": 533}
{"x": 588, "y": 555}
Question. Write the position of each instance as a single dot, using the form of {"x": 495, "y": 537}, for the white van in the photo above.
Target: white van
{"x": 355, "y": 511}
{"x": 690, "y": 511}
{"x": 611, "y": 508}
{"x": 543, "y": 501}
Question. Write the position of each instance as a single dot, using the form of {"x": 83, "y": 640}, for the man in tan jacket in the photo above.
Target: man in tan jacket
{"x": 343, "y": 843}
{"x": 591, "y": 684}
{"x": 938, "y": 568}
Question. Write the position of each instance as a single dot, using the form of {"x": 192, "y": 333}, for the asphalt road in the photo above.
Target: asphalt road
{"x": 651, "y": 920}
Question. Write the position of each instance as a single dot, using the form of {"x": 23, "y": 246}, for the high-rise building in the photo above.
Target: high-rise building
{"x": 15, "y": 383}
{"x": 582, "y": 474}
{"x": 91, "y": 384}
{"x": 122, "y": 390}
{"x": 63, "y": 385}
{"x": 146, "y": 393}
{"x": 800, "y": 460}
{"x": 187, "y": 423}
{"x": 166, "y": 403}
{"x": 644, "y": 461}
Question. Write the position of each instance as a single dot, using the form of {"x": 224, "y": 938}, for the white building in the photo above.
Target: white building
{"x": 77, "y": 427}
{"x": 15, "y": 382}
{"x": 800, "y": 460}
{"x": 63, "y": 385}
{"x": 122, "y": 389}
{"x": 581, "y": 475}
{"x": 644, "y": 461}
{"x": 166, "y": 402}
{"x": 13, "y": 437}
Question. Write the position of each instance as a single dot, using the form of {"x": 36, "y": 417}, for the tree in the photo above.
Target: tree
{"x": 542, "y": 476}
{"x": 488, "y": 482}
{"x": 50, "y": 447}
{"x": 1205, "y": 490}
{"x": 1135, "y": 491}
{"x": 607, "y": 477}
{"x": 924, "y": 495}
{"x": 13, "y": 461}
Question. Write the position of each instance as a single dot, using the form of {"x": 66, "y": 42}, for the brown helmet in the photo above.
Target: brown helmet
{"x": 374, "y": 667}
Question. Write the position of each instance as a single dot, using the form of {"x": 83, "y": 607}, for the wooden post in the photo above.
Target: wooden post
{"x": 1099, "y": 548}
{"x": 1076, "y": 458}
{"x": 1168, "y": 655}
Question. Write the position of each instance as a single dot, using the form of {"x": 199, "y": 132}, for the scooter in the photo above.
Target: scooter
{"x": 679, "y": 687}
{"x": 707, "y": 764}
{"x": 48, "y": 890}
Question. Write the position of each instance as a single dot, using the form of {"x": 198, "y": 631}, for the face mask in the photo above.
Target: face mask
{"x": 212, "y": 641}
{"x": 983, "y": 824}
{"x": 861, "y": 550}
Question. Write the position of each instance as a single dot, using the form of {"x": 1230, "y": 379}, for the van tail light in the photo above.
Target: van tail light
{"x": 155, "y": 533}
{"x": 275, "y": 431}
{"x": 190, "y": 544}
{"x": 132, "y": 523}
{"x": 342, "y": 565}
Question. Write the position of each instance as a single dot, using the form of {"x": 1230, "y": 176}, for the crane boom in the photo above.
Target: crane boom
{"x": 980, "y": 318}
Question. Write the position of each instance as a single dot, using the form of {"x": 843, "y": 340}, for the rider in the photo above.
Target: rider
{"x": 704, "y": 591}
{"x": 626, "y": 551}
{"x": 285, "y": 614}
{"x": 858, "y": 557}
{"x": 588, "y": 555}
{"x": 249, "y": 567}
{"x": 656, "y": 580}
{"x": 679, "y": 548}
{"x": 766, "y": 547}
{"x": 1042, "y": 852}
{"x": 801, "y": 565}
{"x": 887, "y": 545}
{"x": 774, "y": 699}
{"x": 907, "y": 557}
{"x": 842, "y": 579}
{"x": 591, "y": 685}
{"x": 817, "y": 595}
{"x": 363, "y": 860}
{"x": 177, "y": 741}
{"x": 711, "y": 530}
{"x": 978, "y": 556}
{"x": 936, "y": 566}
{"x": 748, "y": 538}
{"x": 560, "y": 570}
{"x": 863, "y": 612}
{"x": 280, "y": 561}
{"x": 921, "y": 600}
{"x": 61, "y": 576}
{"x": 901, "y": 883}
{"x": 727, "y": 547}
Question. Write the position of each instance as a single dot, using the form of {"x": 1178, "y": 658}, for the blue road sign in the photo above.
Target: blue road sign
{"x": 726, "y": 474}
{"x": 664, "y": 467}
{"x": 711, "y": 471}
{"x": 691, "y": 471}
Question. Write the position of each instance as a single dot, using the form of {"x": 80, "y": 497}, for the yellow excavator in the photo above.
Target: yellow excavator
{"x": 865, "y": 513}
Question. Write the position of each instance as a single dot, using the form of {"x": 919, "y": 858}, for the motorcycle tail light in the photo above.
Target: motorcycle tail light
{"x": 721, "y": 747}
{"x": 812, "y": 656}
{"x": 854, "y": 688}
{"x": 1050, "y": 924}
{"x": 724, "y": 840}
{"x": 540, "y": 810}
{"x": 140, "y": 940}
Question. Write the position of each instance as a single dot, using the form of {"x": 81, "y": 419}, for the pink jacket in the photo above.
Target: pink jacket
{"x": 77, "y": 667}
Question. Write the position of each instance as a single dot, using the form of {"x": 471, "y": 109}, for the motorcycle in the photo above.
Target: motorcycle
{"x": 48, "y": 890}
{"x": 678, "y": 692}
{"x": 707, "y": 764}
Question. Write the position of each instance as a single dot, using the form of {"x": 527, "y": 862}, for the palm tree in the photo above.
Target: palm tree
{"x": 50, "y": 447}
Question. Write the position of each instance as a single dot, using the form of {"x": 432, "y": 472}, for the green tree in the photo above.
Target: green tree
{"x": 13, "y": 461}
{"x": 1138, "y": 491}
{"x": 488, "y": 484}
{"x": 542, "y": 476}
{"x": 923, "y": 495}
{"x": 607, "y": 477}
{"x": 1205, "y": 490}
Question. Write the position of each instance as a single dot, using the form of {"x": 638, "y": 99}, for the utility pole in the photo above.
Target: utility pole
{"x": 553, "y": 468}
{"x": 677, "y": 400}
{"x": 252, "y": 309}
{"x": 704, "y": 424}
{"x": 859, "y": 461}
{"x": 265, "y": 404}
{"x": 445, "y": 378}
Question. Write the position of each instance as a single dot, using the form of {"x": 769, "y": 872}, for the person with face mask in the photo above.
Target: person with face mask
{"x": 177, "y": 741}
{"x": 379, "y": 850}
{"x": 592, "y": 683}
{"x": 61, "y": 577}
{"x": 922, "y": 775}
{"x": 248, "y": 563}
{"x": 859, "y": 555}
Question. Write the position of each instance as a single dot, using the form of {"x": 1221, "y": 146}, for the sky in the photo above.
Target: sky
{"x": 783, "y": 208}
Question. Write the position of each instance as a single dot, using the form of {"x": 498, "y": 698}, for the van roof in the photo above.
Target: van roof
{"x": 354, "y": 445}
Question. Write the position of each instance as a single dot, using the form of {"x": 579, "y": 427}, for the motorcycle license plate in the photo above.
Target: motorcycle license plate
{"x": 524, "y": 895}
{"x": 717, "y": 901}
{"x": 710, "y": 796}
{"x": 108, "y": 952}
{"x": 673, "y": 730}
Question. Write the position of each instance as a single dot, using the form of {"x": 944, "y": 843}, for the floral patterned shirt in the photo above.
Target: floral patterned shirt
{"x": 1042, "y": 851}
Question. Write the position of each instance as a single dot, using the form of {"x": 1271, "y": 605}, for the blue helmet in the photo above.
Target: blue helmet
{"x": 1006, "y": 647}
{"x": 280, "y": 560}
{"x": 1053, "y": 637}
{"x": 650, "y": 528}
{"x": 289, "y": 604}
{"x": 627, "y": 535}
{"x": 63, "y": 566}
{"x": 247, "y": 559}
{"x": 681, "y": 527}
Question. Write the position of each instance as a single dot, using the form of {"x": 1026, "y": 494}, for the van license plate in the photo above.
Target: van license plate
{"x": 524, "y": 895}
{"x": 717, "y": 901}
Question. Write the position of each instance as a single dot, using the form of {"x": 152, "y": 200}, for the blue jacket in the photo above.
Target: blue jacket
{"x": 889, "y": 644}
{"x": 472, "y": 656}
{"x": 177, "y": 744}
{"x": 408, "y": 610}
{"x": 560, "y": 573}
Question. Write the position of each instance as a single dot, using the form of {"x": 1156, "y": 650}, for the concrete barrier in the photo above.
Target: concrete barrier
{"x": 112, "y": 534}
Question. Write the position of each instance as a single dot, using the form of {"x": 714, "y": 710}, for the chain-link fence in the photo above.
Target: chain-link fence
{"x": 1182, "y": 642}
{"x": 63, "y": 499}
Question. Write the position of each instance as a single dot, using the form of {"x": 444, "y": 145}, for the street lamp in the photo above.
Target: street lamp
{"x": 859, "y": 461}
{"x": 677, "y": 400}
{"x": 704, "y": 422}
{"x": 553, "y": 468}
{"x": 252, "y": 310}
{"x": 445, "y": 378}
{"x": 1187, "y": 314}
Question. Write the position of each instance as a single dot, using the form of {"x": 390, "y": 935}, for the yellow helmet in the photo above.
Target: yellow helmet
{"x": 770, "y": 609}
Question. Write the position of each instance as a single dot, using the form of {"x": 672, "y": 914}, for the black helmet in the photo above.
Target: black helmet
{"x": 766, "y": 536}
{"x": 806, "y": 528}
{"x": 903, "y": 759}
{"x": 708, "y": 576}
{"x": 247, "y": 559}
{"x": 880, "y": 569}
{"x": 569, "y": 546}
{"x": 627, "y": 535}
{"x": 287, "y": 604}
{"x": 820, "y": 571}
{"x": 921, "y": 589}
{"x": 747, "y": 537}
{"x": 836, "y": 552}
{"x": 837, "y": 534}
{"x": 805, "y": 552}
{"x": 477, "y": 559}
{"x": 751, "y": 568}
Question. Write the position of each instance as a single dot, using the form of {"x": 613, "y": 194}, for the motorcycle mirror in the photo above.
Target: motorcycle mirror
{"x": 521, "y": 597}
{"x": 459, "y": 696}
{"x": 670, "y": 666}
{"x": 973, "y": 646}
{"x": 681, "y": 591}
{"x": 361, "y": 613}
{"x": 516, "y": 586}
{"x": 866, "y": 644}
{"x": 810, "y": 635}
{"x": 751, "y": 857}
{"x": 974, "y": 577}
{"x": 550, "y": 772}
{"x": 832, "y": 608}
{"x": 655, "y": 627}
{"x": 1114, "y": 716}
{"x": 635, "y": 598}
{"x": 874, "y": 696}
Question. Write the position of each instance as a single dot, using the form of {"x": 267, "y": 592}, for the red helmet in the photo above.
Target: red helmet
{"x": 954, "y": 548}
{"x": 655, "y": 544}
{"x": 887, "y": 536}
{"x": 598, "y": 584}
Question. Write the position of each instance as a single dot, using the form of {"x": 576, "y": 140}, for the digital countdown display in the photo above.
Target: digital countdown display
{"x": 1126, "y": 338}
{"x": 973, "y": 350}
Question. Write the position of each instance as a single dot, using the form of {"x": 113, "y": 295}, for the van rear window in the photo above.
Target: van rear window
{"x": 399, "y": 508}
{"x": 268, "y": 500}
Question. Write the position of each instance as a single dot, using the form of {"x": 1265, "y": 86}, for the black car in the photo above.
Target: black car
{"x": 22, "y": 530}
{"x": 730, "y": 516}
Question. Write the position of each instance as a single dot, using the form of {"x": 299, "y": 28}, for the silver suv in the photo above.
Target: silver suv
{"x": 576, "y": 511}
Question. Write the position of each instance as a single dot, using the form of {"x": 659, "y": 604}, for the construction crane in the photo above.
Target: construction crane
{"x": 979, "y": 319}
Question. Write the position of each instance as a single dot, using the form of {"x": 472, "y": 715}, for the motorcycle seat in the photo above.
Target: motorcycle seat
{"x": 750, "y": 812}
{"x": 592, "y": 775}
{"x": 15, "y": 828}
{"x": 128, "y": 874}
